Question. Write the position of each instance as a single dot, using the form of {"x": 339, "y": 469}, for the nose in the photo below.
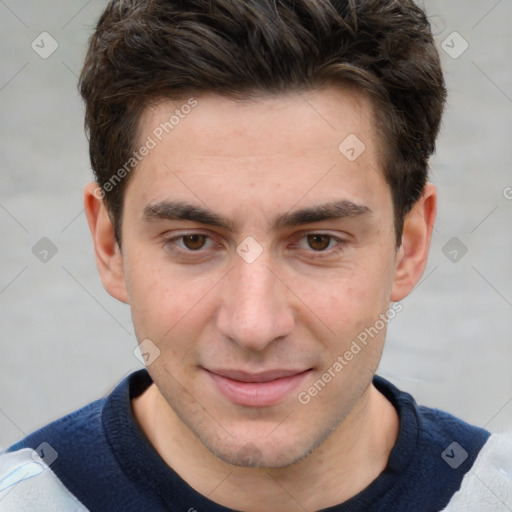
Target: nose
{"x": 255, "y": 310}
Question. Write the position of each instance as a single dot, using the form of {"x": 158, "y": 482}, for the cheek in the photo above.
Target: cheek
{"x": 165, "y": 306}
{"x": 351, "y": 301}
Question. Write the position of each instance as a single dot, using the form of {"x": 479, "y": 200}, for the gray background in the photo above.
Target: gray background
{"x": 65, "y": 342}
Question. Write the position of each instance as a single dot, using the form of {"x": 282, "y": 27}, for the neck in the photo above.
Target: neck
{"x": 342, "y": 466}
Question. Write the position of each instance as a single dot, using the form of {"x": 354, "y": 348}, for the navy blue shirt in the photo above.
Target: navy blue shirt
{"x": 107, "y": 463}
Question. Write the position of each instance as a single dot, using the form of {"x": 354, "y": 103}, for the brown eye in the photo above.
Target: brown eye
{"x": 194, "y": 242}
{"x": 319, "y": 242}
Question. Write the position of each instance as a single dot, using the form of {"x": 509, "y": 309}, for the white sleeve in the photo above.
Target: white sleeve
{"x": 487, "y": 486}
{"x": 27, "y": 483}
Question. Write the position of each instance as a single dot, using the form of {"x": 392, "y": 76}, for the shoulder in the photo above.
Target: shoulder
{"x": 66, "y": 434}
{"x": 27, "y": 483}
{"x": 442, "y": 460}
{"x": 433, "y": 430}
{"x": 78, "y": 455}
{"x": 434, "y": 453}
{"x": 31, "y": 470}
{"x": 488, "y": 484}
{"x": 455, "y": 439}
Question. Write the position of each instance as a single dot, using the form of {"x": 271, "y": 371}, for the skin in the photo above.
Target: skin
{"x": 299, "y": 305}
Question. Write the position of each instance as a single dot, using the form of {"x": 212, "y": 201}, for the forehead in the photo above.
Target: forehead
{"x": 301, "y": 146}
{"x": 262, "y": 124}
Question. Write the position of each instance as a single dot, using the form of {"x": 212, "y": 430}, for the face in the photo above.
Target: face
{"x": 254, "y": 254}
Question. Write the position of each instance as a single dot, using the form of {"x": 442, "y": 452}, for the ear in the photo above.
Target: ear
{"x": 108, "y": 254}
{"x": 413, "y": 253}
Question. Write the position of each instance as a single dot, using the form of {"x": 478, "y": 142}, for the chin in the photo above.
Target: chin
{"x": 262, "y": 452}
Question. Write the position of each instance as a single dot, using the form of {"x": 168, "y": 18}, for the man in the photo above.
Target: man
{"x": 262, "y": 203}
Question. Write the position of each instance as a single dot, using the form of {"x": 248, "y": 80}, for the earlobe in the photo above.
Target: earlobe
{"x": 108, "y": 255}
{"x": 413, "y": 254}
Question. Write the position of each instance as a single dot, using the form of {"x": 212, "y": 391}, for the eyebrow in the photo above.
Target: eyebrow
{"x": 179, "y": 210}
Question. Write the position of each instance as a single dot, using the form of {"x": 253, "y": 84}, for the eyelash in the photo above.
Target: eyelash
{"x": 339, "y": 247}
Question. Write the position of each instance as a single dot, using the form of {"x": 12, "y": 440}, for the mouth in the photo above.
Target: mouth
{"x": 263, "y": 389}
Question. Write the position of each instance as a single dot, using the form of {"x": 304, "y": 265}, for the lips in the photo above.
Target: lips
{"x": 262, "y": 389}
{"x": 256, "y": 377}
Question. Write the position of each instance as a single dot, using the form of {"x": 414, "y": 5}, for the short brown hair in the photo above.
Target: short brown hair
{"x": 146, "y": 50}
